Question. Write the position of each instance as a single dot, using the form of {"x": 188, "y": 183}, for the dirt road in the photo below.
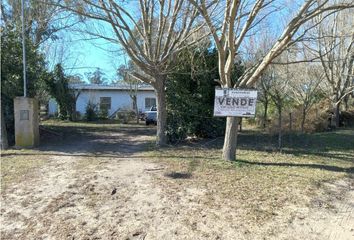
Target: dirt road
{"x": 101, "y": 187}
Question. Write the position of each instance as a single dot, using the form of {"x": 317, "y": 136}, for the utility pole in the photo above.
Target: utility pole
{"x": 23, "y": 48}
{"x": 25, "y": 108}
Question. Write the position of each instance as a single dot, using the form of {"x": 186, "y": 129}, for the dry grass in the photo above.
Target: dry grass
{"x": 178, "y": 192}
{"x": 263, "y": 183}
{"x": 59, "y": 135}
{"x": 15, "y": 168}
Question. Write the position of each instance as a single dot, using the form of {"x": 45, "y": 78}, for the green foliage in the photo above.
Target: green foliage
{"x": 91, "y": 112}
{"x": 12, "y": 73}
{"x": 103, "y": 113}
{"x": 190, "y": 96}
{"x": 96, "y": 77}
{"x": 58, "y": 87}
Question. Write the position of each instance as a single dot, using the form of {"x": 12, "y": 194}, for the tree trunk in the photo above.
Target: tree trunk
{"x": 345, "y": 101}
{"x": 336, "y": 108}
{"x": 161, "y": 139}
{"x": 73, "y": 112}
{"x": 137, "y": 115}
{"x": 230, "y": 141}
{"x": 303, "y": 121}
{"x": 4, "y": 142}
{"x": 136, "y": 109}
{"x": 280, "y": 128}
{"x": 265, "y": 115}
{"x": 336, "y": 114}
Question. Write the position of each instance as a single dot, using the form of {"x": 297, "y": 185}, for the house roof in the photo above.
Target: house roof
{"x": 120, "y": 86}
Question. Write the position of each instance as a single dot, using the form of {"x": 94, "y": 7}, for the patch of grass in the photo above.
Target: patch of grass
{"x": 89, "y": 129}
{"x": 262, "y": 181}
{"x": 99, "y": 124}
{"x": 14, "y": 168}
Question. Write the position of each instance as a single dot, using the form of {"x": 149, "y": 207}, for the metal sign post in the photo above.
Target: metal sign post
{"x": 23, "y": 49}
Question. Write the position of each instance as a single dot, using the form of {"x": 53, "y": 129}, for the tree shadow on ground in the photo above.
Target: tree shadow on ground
{"x": 320, "y": 144}
{"x": 178, "y": 175}
{"x": 325, "y": 141}
{"x": 306, "y": 165}
{"x": 92, "y": 140}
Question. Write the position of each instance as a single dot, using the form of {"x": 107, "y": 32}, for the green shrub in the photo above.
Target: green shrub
{"x": 125, "y": 116}
{"x": 347, "y": 118}
{"x": 190, "y": 96}
{"x": 103, "y": 113}
{"x": 91, "y": 112}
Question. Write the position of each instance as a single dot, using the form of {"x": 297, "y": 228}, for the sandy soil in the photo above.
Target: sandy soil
{"x": 101, "y": 188}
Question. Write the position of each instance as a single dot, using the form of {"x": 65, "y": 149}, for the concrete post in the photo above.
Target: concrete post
{"x": 26, "y": 122}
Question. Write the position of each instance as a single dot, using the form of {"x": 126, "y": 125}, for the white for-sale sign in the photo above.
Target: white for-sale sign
{"x": 235, "y": 102}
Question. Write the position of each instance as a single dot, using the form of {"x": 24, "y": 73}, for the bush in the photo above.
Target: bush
{"x": 11, "y": 73}
{"x": 125, "y": 116}
{"x": 347, "y": 118}
{"x": 91, "y": 112}
{"x": 190, "y": 97}
{"x": 103, "y": 113}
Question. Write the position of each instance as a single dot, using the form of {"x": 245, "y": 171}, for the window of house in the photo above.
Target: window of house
{"x": 105, "y": 103}
{"x": 150, "y": 102}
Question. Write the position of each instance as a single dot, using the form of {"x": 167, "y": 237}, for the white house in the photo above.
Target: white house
{"x": 113, "y": 97}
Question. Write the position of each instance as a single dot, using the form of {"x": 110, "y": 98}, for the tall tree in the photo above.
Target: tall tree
{"x": 12, "y": 73}
{"x": 151, "y": 37}
{"x": 279, "y": 94}
{"x": 304, "y": 87}
{"x": 239, "y": 18}
{"x": 264, "y": 88}
{"x": 58, "y": 87}
{"x": 96, "y": 77}
{"x": 190, "y": 95}
{"x": 335, "y": 49}
{"x": 43, "y": 19}
{"x": 124, "y": 72}
{"x": 42, "y": 22}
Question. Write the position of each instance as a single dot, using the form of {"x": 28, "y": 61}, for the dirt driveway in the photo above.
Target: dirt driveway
{"x": 99, "y": 185}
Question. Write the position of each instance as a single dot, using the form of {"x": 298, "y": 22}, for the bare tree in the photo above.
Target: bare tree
{"x": 335, "y": 49}
{"x": 278, "y": 82}
{"x": 42, "y": 22}
{"x": 239, "y": 19}
{"x": 151, "y": 38}
{"x": 255, "y": 50}
{"x": 304, "y": 87}
{"x": 264, "y": 88}
{"x": 43, "y": 18}
{"x": 124, "y": 72}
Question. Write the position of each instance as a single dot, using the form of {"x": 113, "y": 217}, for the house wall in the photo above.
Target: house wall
{"x": 52, "y": 107}
{"x": 141, "y": 99}
{"x": 119, "y": 99}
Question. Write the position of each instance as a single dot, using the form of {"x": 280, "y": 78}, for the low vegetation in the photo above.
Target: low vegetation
{"x": 263, "y": 181}
{"x": 100, "y": 166}
{"x": 15, "y": 168}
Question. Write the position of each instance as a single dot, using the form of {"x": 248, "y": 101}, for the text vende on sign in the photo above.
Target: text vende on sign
{"x": 231, "y": 102}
